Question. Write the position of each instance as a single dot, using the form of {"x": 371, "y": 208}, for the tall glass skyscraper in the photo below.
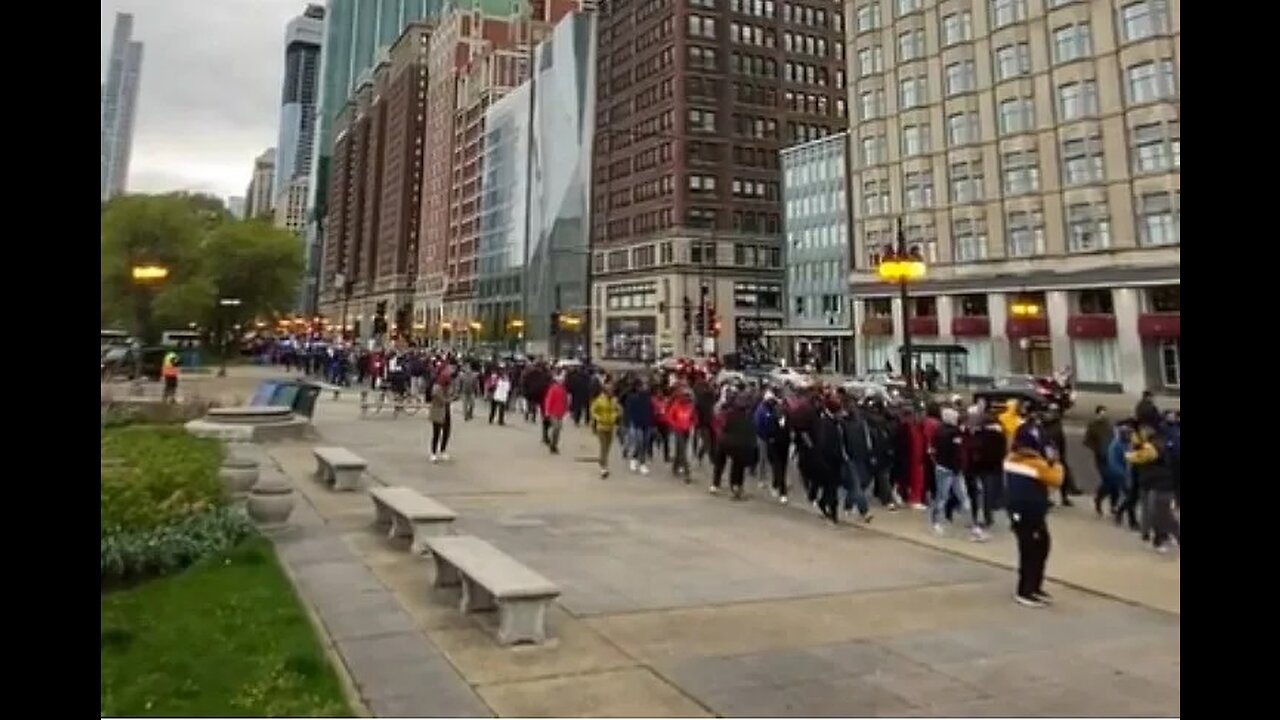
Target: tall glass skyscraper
{"x": 119, "y": 105}
{"x": 302, "y": 42}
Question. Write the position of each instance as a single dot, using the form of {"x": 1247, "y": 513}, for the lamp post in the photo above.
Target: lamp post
{"x": 147, "y": 276}
{"x": 901, "y": 265}
{"x": 225, "y": 304}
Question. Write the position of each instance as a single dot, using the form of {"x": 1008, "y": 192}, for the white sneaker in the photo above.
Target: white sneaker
{"x": 604, "y": 472}
{"x": 635, "y": 465}
{"x": 713, "y": 490}
{"x": 644, "y": 469}
{"x": 782, "y": 499}
{"x": 1028, "y": 601}
{"x": 979, "y": 535}
{"x": 919, "y": 506}
{"x": 435, "y": 458}
{"x": 939, "y": 530}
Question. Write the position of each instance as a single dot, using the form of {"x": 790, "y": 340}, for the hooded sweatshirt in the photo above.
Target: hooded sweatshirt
{"x": 1028, "y": 470}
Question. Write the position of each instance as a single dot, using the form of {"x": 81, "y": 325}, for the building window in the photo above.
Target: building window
{"x": 915, "y": 140}
{"x": 1072, "y": 42}
{"x": 1095, "y": 302}
{"x": 979, "y": 361}
{"x": 960, "y": 78}
{"x": 1088, "y": 228}
{"x": 701, "y": 218}
{"x": 1021, "y": 172}
{"x": 1170, "y": 363}
{"x": 668, "y": 255}
{"x": 957, "y": 28}
{"x": 1017, "y": 115}
{"x": 869, "y": 16}
{"x": 1025, "y": 232}
{"x": 968, "y": 240}
{"x": 1077, "y": 100}
{"x": 703, "y": 27}
{"x": 1007, "y": 12}
{"x": 870, "y": 61}
{"x": 875, "y": 197}
{"x": 702, "y": 184}
{"x": 1150, "y": 81}
{"x": 642, "y": 257}
{"x": 923, "y": 237}
{"x": 1163, "y": 299}
{"x": 907, "y": 6}
{"x": 918, "y": 189}
{"x": 1082, "y": 161}
{"x": 618, "y": 260}
{"x": 962, "y": 129}
{"x": 874, "y": 150}
{"x": 764, "y": 296}
{"x": 871, "y": 104}
{"x": 1156, "y": 147}
{"x": 1158, "y": 219}
{"x": 1096, "y": 360}
{"x": 702, "y": 120}
{"x": 913, "y": 92}
{"x": 910, "y": 45}
{"x": 1143, "y": 19}
{"x": 966, "y": 182}
{"x": 1013, "y": 61}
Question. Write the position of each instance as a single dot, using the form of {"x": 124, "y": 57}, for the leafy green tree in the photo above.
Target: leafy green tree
{"x": 257, "y": 263}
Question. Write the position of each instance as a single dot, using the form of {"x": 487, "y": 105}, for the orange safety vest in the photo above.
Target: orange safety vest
{"x": 169, "y": 368}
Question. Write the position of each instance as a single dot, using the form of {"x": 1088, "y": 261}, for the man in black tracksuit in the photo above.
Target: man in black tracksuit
{"x": 802, "y": 417}
{"x": 986, "y": 461}
{"x": 830, "y": 457}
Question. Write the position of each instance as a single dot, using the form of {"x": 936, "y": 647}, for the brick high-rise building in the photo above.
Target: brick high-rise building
{"x": 694, "y": 101}
{"x": 476, "y": 57}
{"x": 374, "y": 190}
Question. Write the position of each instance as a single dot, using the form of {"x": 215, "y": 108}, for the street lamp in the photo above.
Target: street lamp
{"x": 148, "y": 275}
{"x": 225, "y": 304}
{"x": 901, "y": 265}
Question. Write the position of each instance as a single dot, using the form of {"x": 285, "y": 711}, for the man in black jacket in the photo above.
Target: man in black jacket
{"x": 829, "y": 458}
{"x": 986, "y": 464}
{"x": 859, "y": 454}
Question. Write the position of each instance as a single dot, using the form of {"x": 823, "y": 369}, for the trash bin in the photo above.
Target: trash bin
{"x": 299, "y": 395}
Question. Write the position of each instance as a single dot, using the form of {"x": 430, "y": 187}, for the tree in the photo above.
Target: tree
{"x": 255, "y": 262}
{"x": 150, "y": 230}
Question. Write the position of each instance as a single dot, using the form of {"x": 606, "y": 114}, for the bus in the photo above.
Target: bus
{"x": 114, "y": 337}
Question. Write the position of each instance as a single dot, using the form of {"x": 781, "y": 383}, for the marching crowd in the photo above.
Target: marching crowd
{"x": 956, "y": 462}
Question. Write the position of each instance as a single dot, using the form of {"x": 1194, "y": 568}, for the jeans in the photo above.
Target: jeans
{"x": 681, "y": 463}
{"x": 553, "y": 429}
{"x": 499, "y": 408}
{"x": 638, "y": 443}
{"x": 946, "y": 483}
{"x": 986, "y": 497}
{"x": 702, "y": 441}
{"x": 1158, "y": 515}
{"x": 851, "y": 477}
{"x": 468, "y": 406}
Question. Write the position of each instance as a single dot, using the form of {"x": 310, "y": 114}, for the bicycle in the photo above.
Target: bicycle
{"x": 401, "y": 402}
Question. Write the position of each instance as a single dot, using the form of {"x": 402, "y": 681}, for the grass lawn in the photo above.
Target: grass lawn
{"x": 227, "y": 637}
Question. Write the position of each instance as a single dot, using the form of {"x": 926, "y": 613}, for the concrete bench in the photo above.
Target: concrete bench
{"x": 410, "y": 514}
{"x": 339, "y": 468}
{"x": 489, "y": 578}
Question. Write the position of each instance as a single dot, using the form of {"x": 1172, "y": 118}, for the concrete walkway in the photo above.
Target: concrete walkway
{"x": 676, "y": 603}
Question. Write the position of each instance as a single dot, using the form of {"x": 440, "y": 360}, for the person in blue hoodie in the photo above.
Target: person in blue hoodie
{"x": 1116, "y": 470}
{"x": 1031, "y": 470}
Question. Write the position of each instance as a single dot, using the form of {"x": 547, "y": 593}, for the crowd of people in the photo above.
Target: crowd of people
{"x": 956, "y": 462}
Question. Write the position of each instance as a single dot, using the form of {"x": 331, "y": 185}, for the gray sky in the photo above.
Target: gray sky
{"x": 210, "y": 99}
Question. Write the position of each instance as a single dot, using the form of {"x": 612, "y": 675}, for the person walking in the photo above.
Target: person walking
{"x": 555, "y": 405}
{"x": 637, "y": 411}
{"x": 831, "y": 465}
{"x": 1149, "y": 458}
{"x": 681, "y": 417}
{"x": 605, "y": 413}
{"x": 468, "y": 387}
{"x": 1097, "y": 438}
{"x": 737, "y": 444}
{"x": 986, "y": 451}
{"x": 771, "y": 428}
{"x": 441, "y": 415}
{"x": 1031, "y": 471}
{"x": 947, "y": 452}
{"x": 169, "y": 374}
{"x": 499, "y": 396}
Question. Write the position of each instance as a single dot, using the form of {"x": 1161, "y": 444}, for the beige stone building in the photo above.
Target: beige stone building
{"x": 1031, "y": 150}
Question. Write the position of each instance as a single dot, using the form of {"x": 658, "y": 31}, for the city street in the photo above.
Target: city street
{"x": 679, "y": 603}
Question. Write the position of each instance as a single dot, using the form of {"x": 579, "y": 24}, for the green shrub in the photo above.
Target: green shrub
{"x": 166, "y": 475}
{"x": 128, "y": 556}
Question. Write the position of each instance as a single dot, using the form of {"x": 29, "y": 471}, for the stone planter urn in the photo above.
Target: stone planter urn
{"x": 271, "y": 500}
{"x": 238, "y": 475}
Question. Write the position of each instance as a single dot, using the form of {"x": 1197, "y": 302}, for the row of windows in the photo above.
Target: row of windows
{"x": 817, "y": 306}
{"x": 810, "y": 45}
{"x": 1154, "y": 148}
{"x": 815, "y": 172}
{"x": 826, "y": 236}
{"x": 747, "y": 34}
{"x": 1138, "y": 20}
{"x": 1145, "y": 83}
{"x": 1087, "y": 227}
{"x": 645, "y": 256}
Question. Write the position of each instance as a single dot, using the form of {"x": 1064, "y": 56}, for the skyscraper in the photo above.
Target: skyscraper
{"x": 119, "y": 105}
{"x": 302, "y": 40}
{"x": 260, "y": 195}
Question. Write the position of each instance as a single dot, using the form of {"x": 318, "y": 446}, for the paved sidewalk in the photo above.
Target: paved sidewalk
{"x": 676, "y": 603}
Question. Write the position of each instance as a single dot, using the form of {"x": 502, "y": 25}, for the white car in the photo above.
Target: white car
{"x": 789, "y": 377}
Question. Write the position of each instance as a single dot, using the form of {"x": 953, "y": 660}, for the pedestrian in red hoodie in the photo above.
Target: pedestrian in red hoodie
{"x": 917, "y": 449}
{"x": 661, "y": 426}
{"x": 680, "y": 417}
{"x": 555, "y": 405}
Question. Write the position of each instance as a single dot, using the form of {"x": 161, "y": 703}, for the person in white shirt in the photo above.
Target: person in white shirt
{"x": 498, "y": 403}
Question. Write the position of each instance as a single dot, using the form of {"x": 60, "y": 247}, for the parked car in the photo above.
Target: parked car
{"x": 880, "y": 377}
{"x": 1048, "y": 389}
{"x": 790, "y": 377}
{"x": 998, "y": 398}
{"x": 119, "y": 362}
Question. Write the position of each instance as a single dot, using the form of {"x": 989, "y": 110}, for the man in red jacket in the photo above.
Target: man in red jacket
{"x": 680, "y": 416}
{"x": 555, "y": 404}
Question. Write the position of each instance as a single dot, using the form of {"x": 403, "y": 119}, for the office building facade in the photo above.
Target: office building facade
{"x": 119, "y": 107}
{"x": 1031, "y": 150}
{"x": 260, "y": 196}
{"x": 296, "y": 142}
{"x": 816, "y": 222}
{"x": 694, "y": 101}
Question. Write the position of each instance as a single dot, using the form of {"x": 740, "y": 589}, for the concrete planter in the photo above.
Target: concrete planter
{"x": 271, "y": 501}
{"x": 238, "y": 475}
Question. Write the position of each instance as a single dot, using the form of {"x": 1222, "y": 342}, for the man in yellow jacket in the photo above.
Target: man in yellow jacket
{"x": 604, "y": 415}
{"x": 169, "y": 374}
{"x": 1031, "y": 470}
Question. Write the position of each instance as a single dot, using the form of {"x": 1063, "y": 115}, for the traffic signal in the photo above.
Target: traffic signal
{"x": 380, "y": 318}
{"x": 555, "y": 323}
{"x": 713, "y": 322}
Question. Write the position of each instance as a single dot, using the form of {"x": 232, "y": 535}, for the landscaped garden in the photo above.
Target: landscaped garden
{"x": 198, "y": 617}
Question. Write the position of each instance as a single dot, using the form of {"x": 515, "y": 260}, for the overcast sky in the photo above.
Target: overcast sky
{"x": 210, "y": 99}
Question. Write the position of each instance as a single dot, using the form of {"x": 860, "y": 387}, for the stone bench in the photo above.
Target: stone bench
{"x": 489, "y": 578}
{"x": 339, "y": 468}
{"x": 410, "y": 514}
